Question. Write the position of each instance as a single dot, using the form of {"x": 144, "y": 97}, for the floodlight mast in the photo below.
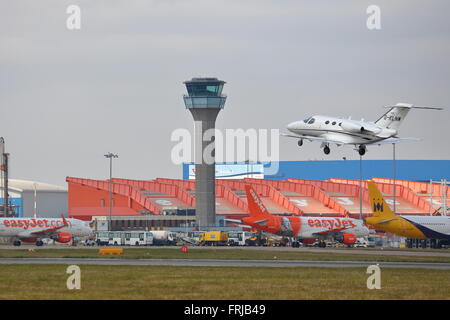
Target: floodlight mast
{"x": 110, "y": 156}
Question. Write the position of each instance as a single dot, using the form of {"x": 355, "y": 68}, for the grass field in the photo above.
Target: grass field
{"x": 239, "y": 254}
{"x": 206, "y": 283}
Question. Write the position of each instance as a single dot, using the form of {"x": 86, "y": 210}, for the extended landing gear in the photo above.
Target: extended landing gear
{"x": 300, "y": 142}
{"x": 362, "y": 150}
{"x": 322, "y": 244}
{"x": 39, "y": 243}
{"x": 17, "y": 243}
{"x": 326, "y": 147}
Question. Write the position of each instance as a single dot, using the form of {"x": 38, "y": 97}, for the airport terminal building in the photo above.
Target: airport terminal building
{"x": 27, "y": 197}
{"x": 316, "y": 188}
{"x": 415, "y": 170}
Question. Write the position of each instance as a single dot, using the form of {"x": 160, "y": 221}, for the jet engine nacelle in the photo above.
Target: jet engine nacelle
{"x": 360, "y": 127}
{"x": 346, "y": 238}
{"x": 63, "y": 237}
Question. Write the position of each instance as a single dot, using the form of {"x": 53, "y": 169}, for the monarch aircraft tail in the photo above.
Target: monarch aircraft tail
{"x": 379, "y": 206}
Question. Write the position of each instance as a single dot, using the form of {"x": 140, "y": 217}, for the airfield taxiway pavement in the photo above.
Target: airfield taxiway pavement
{"x": 387, "y": 252}
{"x": 222, "y": 263}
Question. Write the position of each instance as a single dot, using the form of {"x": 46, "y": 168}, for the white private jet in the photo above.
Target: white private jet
{"x": 339, "y": 131}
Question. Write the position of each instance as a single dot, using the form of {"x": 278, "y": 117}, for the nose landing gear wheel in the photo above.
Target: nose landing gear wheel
{"x": 300, "y": 142}
{"x": 17, "y": 243}
{"x": 326, "y": 150}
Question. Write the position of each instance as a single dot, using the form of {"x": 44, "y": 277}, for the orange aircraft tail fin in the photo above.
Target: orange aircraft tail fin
{"x": 255, "y": 205}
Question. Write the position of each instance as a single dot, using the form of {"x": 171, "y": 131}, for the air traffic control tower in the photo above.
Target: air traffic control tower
{"x": 204, "y": 100}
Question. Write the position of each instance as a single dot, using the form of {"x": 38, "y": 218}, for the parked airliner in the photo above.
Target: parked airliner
{"x": 418, "y": 227}
{"x": 340, "y": 131}
{"x": 35, "y": 229}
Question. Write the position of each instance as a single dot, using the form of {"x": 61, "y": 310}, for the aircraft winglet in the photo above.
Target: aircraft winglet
{"x": 64, "y": 220}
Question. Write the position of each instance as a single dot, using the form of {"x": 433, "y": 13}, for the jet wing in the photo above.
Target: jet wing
{"x": 326, "y": 232}
{"x": 46, "y": 232}
{"x": 394, "y": 140}
{"x": 311, "y": 138}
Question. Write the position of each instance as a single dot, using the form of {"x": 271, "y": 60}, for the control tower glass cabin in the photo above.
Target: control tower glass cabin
{"x": 204, "y": 93}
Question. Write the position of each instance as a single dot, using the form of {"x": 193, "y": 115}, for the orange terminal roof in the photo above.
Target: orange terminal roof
{"x": 333, "y": 197}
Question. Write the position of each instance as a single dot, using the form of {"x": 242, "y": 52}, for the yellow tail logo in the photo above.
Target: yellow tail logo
{"x": 377, "y": 206}
{"x": 377, "y": 203}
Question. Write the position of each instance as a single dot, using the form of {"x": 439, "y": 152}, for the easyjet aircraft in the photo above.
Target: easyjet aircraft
{"x": 331, "y": 130}
{"x": 36, "y": 229}
{"x": 419, "y": 227}
{"x": 305, "y": 229}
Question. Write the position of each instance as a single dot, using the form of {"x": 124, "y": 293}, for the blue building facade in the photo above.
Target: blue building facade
{"x": 416, "y": 170}
{"x": 17, "y": 203}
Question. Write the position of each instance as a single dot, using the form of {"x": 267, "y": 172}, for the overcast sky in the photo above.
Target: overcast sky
{"x": 69, "y": 96}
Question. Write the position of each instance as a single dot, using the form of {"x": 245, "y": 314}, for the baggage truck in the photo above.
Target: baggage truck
{"x": 214, "y": 238}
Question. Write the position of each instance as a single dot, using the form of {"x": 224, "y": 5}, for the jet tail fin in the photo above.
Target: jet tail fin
{"x": 378, "y": 205}
{"x": 394, "y": 117}
{"x": 255, "y": 205}
{"x": 396, "y": 114}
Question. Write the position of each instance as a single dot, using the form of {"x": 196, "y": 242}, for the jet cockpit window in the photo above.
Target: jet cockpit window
{"x": 306, "y": 120}
{"x": 311, "y": 121}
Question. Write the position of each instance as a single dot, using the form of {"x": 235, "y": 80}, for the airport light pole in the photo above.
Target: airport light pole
{"x": 110, "y": 156}
{"x": 394, "y": 175}
{"x": 360, "y": 188}
{"x": 431, "y": 197}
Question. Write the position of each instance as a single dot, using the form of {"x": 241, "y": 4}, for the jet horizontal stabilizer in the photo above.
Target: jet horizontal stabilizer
{"x": 386, "y": 221}
{"x": 411, "y": 106}
{"x": 233, "y": 220}
{"x": 261, "y": 222}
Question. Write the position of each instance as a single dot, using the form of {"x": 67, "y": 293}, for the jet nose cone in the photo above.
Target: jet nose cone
{"x": 292, "y": 126}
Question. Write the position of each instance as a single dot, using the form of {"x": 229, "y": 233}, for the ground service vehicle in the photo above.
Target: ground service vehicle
{"x": 275, "y": 241}
{"x": 361, "y": 243}
{"x": 108, "y": 238}
{"x": 164, "y": 237}
{"x": 89, "y": 242}
{"x": 121, "y": 238}
{"x": 241, "y": 238}
{"x": 138, "y": 238}
{"x": 213, "y": 238}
